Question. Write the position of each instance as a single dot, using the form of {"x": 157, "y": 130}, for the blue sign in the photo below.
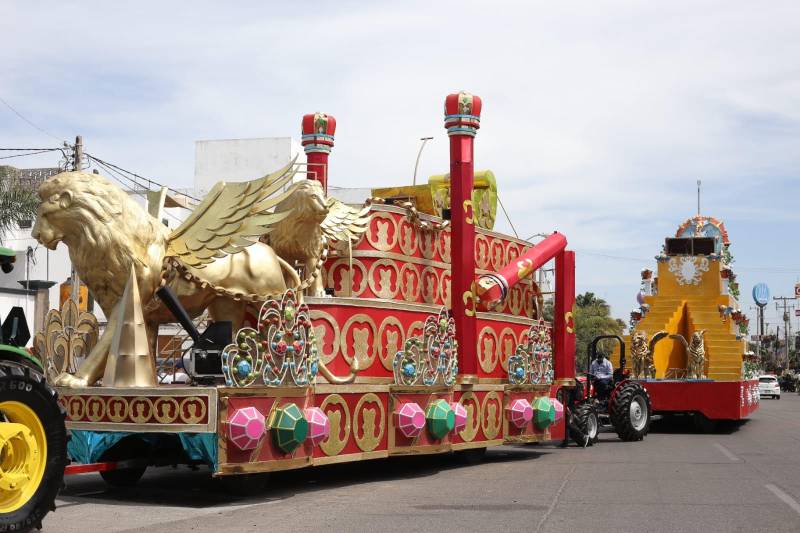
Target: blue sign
{"x": 761, "y": 294}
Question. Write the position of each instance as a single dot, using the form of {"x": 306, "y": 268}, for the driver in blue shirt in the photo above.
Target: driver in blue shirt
{"x": 601, "y": 372}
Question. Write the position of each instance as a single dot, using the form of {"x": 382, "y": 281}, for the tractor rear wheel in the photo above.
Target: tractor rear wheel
{"x": 587, "y": 425}
{"x": 630, "y": 411}
{"x": 33, "y": 448}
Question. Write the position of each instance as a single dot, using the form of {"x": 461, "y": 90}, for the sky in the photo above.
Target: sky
{"x": 598, "y": 119}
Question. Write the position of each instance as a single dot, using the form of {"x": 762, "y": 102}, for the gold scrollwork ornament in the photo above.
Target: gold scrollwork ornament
{"x": 369, "y": 438}
{"x": 491, "y": 415}
{"x": 335, "y": 443}
{"x": 473, "y": 407}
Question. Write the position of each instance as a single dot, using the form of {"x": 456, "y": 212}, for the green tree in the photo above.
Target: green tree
{"x": 593, "y": 318}
{"x": 17, "y": 203}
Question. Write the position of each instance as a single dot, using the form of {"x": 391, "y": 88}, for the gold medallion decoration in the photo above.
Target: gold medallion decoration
{"x": 166, "y": 409}
{"x": 408, "y": 237}
{"x": 569, "y": 322}
{"x": 384, "y": 278}
{"x": 415, "y": 329}
{"x": 444, "y": 288}
{"x": 391, "y": 339}
{"x": 336, "y": 440}
{"x": 66, "y": 339}
{"x": 468, "y": 214}
{"x": 473, "y": 407}
{"x": 488, "y": 349}
{"x": 76, "y": 407}
{"x": 491, "y": 415}
{"x": 361, "y": 343}
{"x": 382, "y": 231}
{"x": 192, "y": 410}
{"x": 515, "y": 302}
{"x": 339, "y": 278}
{"x": 512, "y": 252}
{"x": 372, "y": 422}
{"x": 427, "y": 243}
{"x": 410, "y": 284}
{"x": 508, "y": 344}
{"x": 497, "y": 254}
{"x": 326, "y": 331}
{"x": 95, "y": 408}
{"x": 444, "y": 245}
{"x": 141, "y": 409}
{"x": 117, "y": 409}
{"x": 482, "y": 251}
{"x": 430, "y": 285}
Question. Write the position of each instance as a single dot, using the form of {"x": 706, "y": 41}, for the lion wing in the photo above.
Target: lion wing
{"x": 230, "y": 218}
{"x": 344, "y": 223}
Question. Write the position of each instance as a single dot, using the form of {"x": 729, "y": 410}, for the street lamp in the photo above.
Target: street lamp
{"x": 419, "y": 154}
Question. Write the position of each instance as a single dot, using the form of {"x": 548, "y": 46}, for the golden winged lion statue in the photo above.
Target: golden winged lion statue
{"x": 214, "y": 260}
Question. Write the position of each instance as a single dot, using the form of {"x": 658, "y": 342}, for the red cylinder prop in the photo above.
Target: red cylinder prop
{"x": 462, "y": 116}
{"x": 563, "y": 320}
{"x": 318, "y": 130}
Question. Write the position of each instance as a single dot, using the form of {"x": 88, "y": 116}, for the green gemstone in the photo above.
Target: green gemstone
{"x": 290, "y": 427}
{"x": 544, "y": 412}
{"x": 441, "y": 418}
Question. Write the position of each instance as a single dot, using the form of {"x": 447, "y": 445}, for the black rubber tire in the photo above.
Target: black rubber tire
{"x": 472, "y": 456}
{"x": 126, "y": 449}
{"x": 620, "y": 411}
{"x": 582, "y": 421}
{"x": 24, "y": 385}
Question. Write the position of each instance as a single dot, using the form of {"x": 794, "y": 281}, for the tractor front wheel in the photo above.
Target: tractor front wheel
{"x": 33, "y": 448}
{"x": 587, "y": 425}
{"x": 630, "y": 411}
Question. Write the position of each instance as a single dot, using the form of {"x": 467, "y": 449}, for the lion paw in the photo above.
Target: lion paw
{"x": 71, "y": 382}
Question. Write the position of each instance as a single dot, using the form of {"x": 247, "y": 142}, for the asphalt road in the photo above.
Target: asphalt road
{"x": 744, "y": 478}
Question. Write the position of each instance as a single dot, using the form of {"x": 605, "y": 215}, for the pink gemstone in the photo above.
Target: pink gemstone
{"x": 246, "y": 427}
{"x": 519, "y": 412}
{"x": 559, "y": 409}
{"x": 461, "y": 415}
{"x": 410, "y": 419}
{"x": 319, "y": 427}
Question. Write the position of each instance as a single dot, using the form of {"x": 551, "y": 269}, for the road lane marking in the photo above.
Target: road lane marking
{"x": 726, "y": 452}
{"x": 785, "y": 498}
{"x": 555, "y": 499}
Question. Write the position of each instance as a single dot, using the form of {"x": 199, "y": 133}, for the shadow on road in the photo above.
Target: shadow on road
{"x": 683, "y": 424}
{"x": 183, "y": 487}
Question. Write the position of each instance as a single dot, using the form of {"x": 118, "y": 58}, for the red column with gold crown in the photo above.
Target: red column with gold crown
{"x": 462, "y": 117}
{"x": 563, "y": 320}
{"x": 318, "y": 131}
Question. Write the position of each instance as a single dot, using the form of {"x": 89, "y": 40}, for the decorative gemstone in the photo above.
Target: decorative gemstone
{"x": 243, "y": 368}
{"x": 282, "y": 346}
{"x": 519, "y": 412}
{"x": 319, "y": 427}
{"x": 559, "y": 407}
{"x": 410, "y": 419}
{"x": 519, "y": 372}
{"x": 461, "y": 415}
{"x": 290, "y": 427}
{"x": 314, "y": 368}
{"x": 409, "y": 370}
{"x": 544, "y": 412}
{"x": 441, "y": 418}
{"x": 246, "y": 427}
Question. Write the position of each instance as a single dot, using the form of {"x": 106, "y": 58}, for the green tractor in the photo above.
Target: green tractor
{"x": 33, "y": 437}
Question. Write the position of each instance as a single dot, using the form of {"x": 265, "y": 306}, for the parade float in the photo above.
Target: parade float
{"x": 336, "y": 333}
{"x": 688, "y": 336}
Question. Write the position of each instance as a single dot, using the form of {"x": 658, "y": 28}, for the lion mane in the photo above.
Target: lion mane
{"x": 90, "y": 214}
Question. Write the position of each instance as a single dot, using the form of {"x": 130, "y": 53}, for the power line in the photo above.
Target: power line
{"x": 149, "y": 181}
{"x": 30, "y": 123}
{"x": 31, "y": 153}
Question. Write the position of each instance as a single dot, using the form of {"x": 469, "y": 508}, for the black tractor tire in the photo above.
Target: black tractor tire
{"x": 128, "y": 448}
{"x": 585, "y": 426}
{"x": 23, "y": 385}
{"x": 631, "y": 411}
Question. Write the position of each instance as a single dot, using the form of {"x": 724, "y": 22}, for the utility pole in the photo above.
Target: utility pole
{"x": 77, "y": 158}
{"x": 786, "y": 323}
{"x": 698, "y": 197}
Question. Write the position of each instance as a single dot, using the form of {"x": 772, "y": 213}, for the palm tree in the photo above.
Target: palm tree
{"x": 589, "y": 299}
{"x": 17, "y": 203}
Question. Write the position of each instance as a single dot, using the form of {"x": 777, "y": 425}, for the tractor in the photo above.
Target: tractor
{"x": 33, "y": 437}
{"x": 627, "y": 408}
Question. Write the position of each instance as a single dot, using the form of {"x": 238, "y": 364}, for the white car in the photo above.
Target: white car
{"x": 768, "y": 386}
